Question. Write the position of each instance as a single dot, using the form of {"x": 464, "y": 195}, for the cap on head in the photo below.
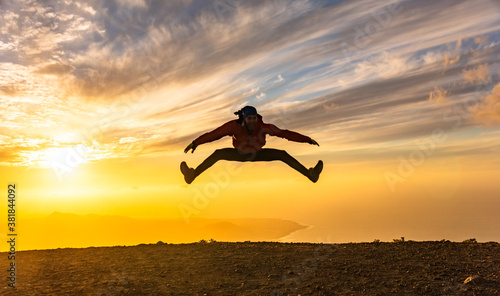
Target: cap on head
{"x": 247, "y": 111}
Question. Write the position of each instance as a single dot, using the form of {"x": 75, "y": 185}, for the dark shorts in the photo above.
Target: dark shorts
{"x": 264, "y": 154}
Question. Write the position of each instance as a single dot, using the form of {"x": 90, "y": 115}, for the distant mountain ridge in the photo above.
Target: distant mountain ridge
{"x": 61, "y": 230}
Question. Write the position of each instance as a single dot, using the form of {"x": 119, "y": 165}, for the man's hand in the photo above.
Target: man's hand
{"x": 312, "y": 142}
{"x": 189, "y": 147}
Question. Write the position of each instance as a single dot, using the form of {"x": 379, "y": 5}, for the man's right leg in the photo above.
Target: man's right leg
{"x": 219, "y": 154}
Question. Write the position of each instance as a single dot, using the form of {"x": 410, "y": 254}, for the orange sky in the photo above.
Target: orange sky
{"x": 99, "y": 100}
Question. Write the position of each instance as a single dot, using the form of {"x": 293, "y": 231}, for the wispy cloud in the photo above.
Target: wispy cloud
{"x": 438, "y": 96}
{"x": 478, "y": 75}
{"x": 488, "y": 112}
{"x": 153, "y": 75}
{"x": 55, "y": 69}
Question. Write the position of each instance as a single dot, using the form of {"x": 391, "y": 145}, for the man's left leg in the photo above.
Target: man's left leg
{"x": 269, "y": 154}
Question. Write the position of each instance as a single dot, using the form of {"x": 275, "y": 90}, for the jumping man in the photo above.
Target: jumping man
{"x": 249, "y": 136}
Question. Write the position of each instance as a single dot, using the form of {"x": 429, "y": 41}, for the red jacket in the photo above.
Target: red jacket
{"x": 249, "y": 143}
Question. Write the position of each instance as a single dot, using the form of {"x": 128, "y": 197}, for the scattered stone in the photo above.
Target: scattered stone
{"x": 473, "y": 280}
{"x": 273, "y": 276}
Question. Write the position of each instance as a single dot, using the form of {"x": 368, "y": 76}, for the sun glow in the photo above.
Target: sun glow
{"x": 64, "y": 158}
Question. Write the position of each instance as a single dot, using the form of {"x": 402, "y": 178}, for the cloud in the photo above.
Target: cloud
{"x": 55, "y": 69}
{"x": 384, "y": 65}
{"x": 9, "y": 90}
{"x": 187, "y": 66}
{"x": 132, "y": 3}
{"x": 482, "y": 40}
{"x": 330, "y": 107}
{"x": 438, "y": 96}
{"x": 113, "y": 45}
{"x": 14, "y": 78}
{"x": 183, "y": 45}
{"x": 279, "y": 79}
{"x": 478, "y": 76}
{"x": 452, "y": 57}
{"x": 431, "y": 57}
{"x": 488, "y": 112}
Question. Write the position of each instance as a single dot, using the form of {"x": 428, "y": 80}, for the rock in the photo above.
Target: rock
{"x": 473, "y": 280}
{"x": 273, "y": 277}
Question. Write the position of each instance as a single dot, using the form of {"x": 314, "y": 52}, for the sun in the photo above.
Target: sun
{"x": 63, "y": 160}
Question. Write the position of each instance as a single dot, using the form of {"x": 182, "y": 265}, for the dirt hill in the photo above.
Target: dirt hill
{"x": 260, "y": 268}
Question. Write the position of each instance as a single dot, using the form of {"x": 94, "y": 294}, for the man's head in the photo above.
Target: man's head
{"x": 251, "y": 122}
{"x": 250, "y": 116}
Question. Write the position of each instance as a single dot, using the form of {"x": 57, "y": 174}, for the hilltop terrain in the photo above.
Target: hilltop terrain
{"x": 261, "y": 268}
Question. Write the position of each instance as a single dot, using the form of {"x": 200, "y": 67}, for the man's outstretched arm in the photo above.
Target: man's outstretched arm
{"x": 224, "y": 130}
{"x": 291, "y": 135}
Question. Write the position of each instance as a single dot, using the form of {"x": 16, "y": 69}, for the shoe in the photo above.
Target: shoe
{"x": 187, "y": 172}
{"x": 314, "y": 172}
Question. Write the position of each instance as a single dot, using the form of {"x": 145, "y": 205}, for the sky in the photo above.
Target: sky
{"x": 98, "y": 100}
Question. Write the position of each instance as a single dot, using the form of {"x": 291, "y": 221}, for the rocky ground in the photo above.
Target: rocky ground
{"x": 260, "y": 268}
